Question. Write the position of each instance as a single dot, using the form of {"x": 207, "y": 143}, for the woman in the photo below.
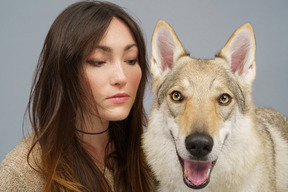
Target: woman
{"x": 85, "y": 107}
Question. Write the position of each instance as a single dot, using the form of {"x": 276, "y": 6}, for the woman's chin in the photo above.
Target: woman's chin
{"x": 117, "y": 115}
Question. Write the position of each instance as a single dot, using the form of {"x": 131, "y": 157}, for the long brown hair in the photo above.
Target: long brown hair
{"x": 60, "y": 94}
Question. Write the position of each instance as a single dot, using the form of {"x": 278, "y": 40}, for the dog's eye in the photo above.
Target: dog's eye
{"x": 176, "y": 96}
{"x": 224, "y": 99}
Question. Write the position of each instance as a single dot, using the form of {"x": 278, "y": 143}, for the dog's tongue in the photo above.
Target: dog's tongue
{"x": 196, "y": 172}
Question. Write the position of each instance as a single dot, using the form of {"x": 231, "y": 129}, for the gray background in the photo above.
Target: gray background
{"x": 203, "y": 26}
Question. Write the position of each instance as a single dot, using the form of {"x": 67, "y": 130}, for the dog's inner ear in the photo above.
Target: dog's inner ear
{"x": 165, "y": 47}
{"x": 239, "y": 51}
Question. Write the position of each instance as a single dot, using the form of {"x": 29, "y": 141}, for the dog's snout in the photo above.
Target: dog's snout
{"x": 199, "y": 144}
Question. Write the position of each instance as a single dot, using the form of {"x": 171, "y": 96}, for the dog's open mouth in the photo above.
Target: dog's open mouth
{"x": 196, "y": 174}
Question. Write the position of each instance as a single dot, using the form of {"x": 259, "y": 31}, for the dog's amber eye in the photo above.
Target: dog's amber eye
{"x": 224, "y": 99}
{"x": 176, "y": 96}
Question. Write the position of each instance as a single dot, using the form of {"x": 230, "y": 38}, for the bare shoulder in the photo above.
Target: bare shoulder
{"x": 15, "y": 172}
{"x": 273, "y": 118}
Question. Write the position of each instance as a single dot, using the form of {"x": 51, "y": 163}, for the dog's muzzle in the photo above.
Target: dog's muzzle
{"x": 197, "y": 170}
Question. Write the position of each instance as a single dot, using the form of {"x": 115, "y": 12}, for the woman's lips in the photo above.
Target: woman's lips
{"x": 119, "y": 98}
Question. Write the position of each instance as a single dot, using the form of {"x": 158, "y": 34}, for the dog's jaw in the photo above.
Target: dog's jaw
{"x": 196, "y": 174}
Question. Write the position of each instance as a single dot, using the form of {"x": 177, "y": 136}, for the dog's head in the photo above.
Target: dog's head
{"x": 199, "y": 99}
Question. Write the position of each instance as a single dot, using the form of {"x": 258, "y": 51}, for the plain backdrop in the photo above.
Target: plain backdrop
{"x": 203, "y": 27}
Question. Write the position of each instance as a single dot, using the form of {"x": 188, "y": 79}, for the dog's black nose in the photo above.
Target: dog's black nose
{"x": 199, "y": 144}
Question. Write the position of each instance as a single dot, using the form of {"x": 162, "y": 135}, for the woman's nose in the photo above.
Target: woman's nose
{"x": 119, "y": 77}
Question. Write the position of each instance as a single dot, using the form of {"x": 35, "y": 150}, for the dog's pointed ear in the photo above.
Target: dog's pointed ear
{"x": 240, "y": 51}
{"x": 165, "y": 47}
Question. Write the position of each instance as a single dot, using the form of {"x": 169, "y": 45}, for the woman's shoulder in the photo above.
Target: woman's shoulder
{"x": 18, "y": 156}
{"x": 15, "y": 172}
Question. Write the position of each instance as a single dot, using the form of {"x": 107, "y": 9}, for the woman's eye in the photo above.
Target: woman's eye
{"x": 224, "y": 99}
{"x": 176, "y": 96}
{"x": 95, "y": 63}
{"x": 132, "y": 62}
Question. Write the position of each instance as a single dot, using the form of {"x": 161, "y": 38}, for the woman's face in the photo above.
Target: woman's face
{"x": 113, "y": 72}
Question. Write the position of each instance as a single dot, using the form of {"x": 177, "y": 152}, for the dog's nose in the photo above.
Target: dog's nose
{"x": 199, "y": 144}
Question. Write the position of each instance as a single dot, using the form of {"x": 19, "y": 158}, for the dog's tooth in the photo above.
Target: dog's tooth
{"x": 188, "y": 179}
{"x": 185, "y": 172}
{"x": 186, "y": 175}
{"x": 208, "y": 172}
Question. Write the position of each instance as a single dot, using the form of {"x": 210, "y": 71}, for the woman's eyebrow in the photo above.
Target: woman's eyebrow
{"x": 103, "y": 48}
{"x": 108, "y": 49}
{"x": 130, "y": 46}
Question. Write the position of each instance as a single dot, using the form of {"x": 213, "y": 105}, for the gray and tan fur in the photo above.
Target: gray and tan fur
{"x": 204, "y": 131}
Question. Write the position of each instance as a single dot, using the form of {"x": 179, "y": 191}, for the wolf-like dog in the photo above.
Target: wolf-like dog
{"x": 204, "y": 132}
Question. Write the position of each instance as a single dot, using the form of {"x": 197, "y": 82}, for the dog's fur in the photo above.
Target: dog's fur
{"x": 203, "y": 118}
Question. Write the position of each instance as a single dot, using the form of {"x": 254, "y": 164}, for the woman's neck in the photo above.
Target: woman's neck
{"x": 94, "y": 144}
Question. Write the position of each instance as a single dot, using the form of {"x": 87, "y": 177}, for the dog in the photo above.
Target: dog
{"x": 204, "y": 132}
